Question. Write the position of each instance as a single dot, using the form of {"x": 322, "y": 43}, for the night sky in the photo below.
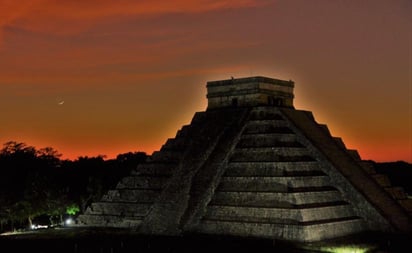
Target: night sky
{"x": 103, "y": 77}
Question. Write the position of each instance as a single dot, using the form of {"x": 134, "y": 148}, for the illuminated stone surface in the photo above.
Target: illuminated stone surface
{"x": 251, "y": 165}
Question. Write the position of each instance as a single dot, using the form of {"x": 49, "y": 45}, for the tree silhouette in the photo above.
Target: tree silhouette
{"x": 27, "y": 181}
{"x": 37, "y": 183}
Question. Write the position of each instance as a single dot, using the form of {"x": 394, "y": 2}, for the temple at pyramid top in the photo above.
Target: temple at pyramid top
{"x": 250, "y": 91}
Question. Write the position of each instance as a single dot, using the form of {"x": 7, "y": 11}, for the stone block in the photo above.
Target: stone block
{"x": 166, "y": 156}
{"x": 269, "y": 140}
{"x": 269, "y": 154}
{"x": 273, "y": 168}
{"x": 142, "y": 182}
{"x": 285, "y": 215}
{"x": 271, "y": 184}
{"x": 119, "y": 209}
{"x": 339, "y": 142}
{"x": 406, "y": 204}
{"x": 396, "y": 192}
{"x": 275, "y": 199}
{"x": 261, "y": 113}
{"x": 354, "y": 153}
{"x": 368, "y": 167}
{"x": 155, "y": 169}
{"x": 131, "y": 195}
{"x": 325, "y": 129}
{"x": 328, "y": 230}
{"x": 382, "y": 180}
{"x": 174, "y": 144}
{"x": 271, "y": 127}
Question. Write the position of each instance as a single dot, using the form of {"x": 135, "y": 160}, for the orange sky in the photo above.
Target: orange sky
{"x": 131, "y": 73}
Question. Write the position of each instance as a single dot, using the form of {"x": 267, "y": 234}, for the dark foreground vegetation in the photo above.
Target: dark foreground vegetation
{"x": 37, "y": 187}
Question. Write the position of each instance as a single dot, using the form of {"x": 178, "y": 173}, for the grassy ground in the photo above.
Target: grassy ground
{"x": 78, "y": 240}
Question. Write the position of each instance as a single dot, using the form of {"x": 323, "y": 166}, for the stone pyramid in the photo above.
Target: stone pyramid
{"x": 252, "y": 165}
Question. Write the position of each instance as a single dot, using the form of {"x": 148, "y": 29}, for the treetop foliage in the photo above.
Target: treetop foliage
{"x": 36, "y": 182}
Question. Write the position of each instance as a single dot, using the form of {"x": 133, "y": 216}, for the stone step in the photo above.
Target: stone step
{"x": 382, "y": 180}
{"x": 131, "y": 195}
{"x": 271, "y": 168}
{"x": 181, "y": 133}
{"x": 368, "y": 167}
{"x": 107, "y": 221}
{"x": 119, "y": 208}
{"x": 270, "y": 155}
{"x": 271, "y": 122}
{"x": 269, "y": 140}
{"x": 261, "y": 115}
{"x": 266, "y": 127}
{"x": 265, "y": 115}
{"x": 339, "y": 142}
{"x": 175, "y": 144}
{"x": 272, "y": 199}
{"x": 254, "y": 172}
{"x": 142, "y": 182}
{"x": 271, "y": 184}
{"x": 334, "y": 228}
{"x": 166, "y": 156}
{"x": 397, "y": 192}
{"x": 154, "y": 169}
{"x": 276, "y": 136}
{"x": 274, "y": 150}
{"x": 277, "y": 215}
{"x": 308, "y": 233}
{"x": 199, "y": 118}
{"x": 354, "y": 154}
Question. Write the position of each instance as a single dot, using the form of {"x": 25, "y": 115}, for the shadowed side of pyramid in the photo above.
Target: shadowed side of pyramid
{"x": 157, "y": 189}
{"x": 251, "y": 165}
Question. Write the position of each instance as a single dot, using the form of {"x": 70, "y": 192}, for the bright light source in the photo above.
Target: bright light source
{"x": 34, "y": 226}
{"x": 68, "y": 221}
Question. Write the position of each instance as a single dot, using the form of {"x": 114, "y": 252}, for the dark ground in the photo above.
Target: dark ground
{"x": 79, "y": 240}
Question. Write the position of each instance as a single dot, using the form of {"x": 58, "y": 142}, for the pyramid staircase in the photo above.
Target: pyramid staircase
{"x": 274, "y": 187}
{"x": 246, "y": 167}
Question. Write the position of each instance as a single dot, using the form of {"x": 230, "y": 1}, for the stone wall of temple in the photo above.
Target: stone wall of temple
{"x": 252, "y": 91}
